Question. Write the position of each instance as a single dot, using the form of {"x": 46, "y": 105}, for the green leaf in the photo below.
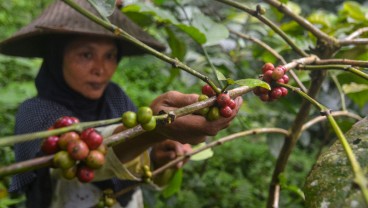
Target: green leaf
{"x": 294, "y": 7}
{"x": 220, "y": 76}
{"x": 178, "y": 47}
{"x": 322, "y": 18}
{"x": 213, "y": 31}
{"x": 104, "y": 7}
{"x": 193, "y": 32}
{"x": 230, "y": 81}
{"x": 174, "y": 185}
{"x": 354, "y": 88}
{"x": 155, "y": 12}
{"x": 208, "y": 153}
{"x": 354, "y": 11}
{"x": 253, "y": 83}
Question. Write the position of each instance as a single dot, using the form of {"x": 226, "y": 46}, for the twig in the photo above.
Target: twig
{"x": 266, "y": 21}
{"x": 342, "y": 61}
{"x": 273, "y": 52}
{"x": 334, "y": 67}
{"x": 357, "y": 41}
{"x": 334, "y": 114}
{"x": 356, "y": 33}
{"x": 10, "y": 140}
{"x": 220, "y": 142}
{"x": 27, "y": 165}
{"x": 340, "y": 90}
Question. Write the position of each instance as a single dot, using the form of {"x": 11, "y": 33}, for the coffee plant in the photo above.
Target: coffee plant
{"x": 294, "y": 69}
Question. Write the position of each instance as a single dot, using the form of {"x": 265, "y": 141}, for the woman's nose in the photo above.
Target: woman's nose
{"x": 98, "y": 68}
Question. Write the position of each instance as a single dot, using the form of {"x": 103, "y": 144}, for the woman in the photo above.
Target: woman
{"x": 79, "y": 59}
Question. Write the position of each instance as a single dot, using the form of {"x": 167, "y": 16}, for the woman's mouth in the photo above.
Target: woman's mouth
{"x": 96, "y": 85}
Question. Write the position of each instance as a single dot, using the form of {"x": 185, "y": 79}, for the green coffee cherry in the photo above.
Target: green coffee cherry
{"x": 129, "y": 119}
{"x": 150, "y": 125}
{"x": 144, "y": 115}
{"x": 213, "y": 113}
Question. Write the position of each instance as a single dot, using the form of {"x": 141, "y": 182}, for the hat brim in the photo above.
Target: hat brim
{"x": 61, "y": 20}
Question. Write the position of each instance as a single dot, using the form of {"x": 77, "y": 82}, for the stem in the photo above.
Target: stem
{"x": 334, "y": 114}
{"x": 266, "y": 21}
{"x": 359, "y": 177}
{"x": 358, "y": 41}
{"x": 119, "y": 32}
{"x": 342, "y": 61}
{"x": 339, "y": 88}
{"x": 10, "y": 140}
{"x": 336, "y": 67}
{"x": 304, "y": 95}
{"x": 27, "y": 165}
{"x": 356, "y": 33}
{"x": 220, "y": 142}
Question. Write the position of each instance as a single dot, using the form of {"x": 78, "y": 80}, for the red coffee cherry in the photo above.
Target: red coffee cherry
{"x": 74, "y": 119}
{"x": 95, "y": 159}
{"x": 285, "y": 77}
{"x": 85, "y": 133}
{"x": 207, "y": 90}
{"x": 276, "y": 93}
{"x": 50, "y": 145}
{"x": 277, "y": 73}
{"x": 85, "y": 174}
{"x": 267, "y": 67}
{"x": 66, "y": 138}
{"x": 63, "y": 122}
{"x": 264, "y": 97}
{"x": 281, "y": 81}
{"x": 93, "y": 140}
{"x": 78, "y": 150}
{"x": 231, "y": 104}
{"x": 284, "y": 91}
{"x": 223, "y": 99}
{"x": 267, "y": 76}
{"x": 263, "y": 90}
{"x": 226, "y": 111}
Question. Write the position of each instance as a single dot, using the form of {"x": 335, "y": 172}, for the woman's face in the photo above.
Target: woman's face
{"x": 89, "y": 64}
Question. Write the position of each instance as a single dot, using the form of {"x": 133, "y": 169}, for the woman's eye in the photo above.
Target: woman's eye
{"x": 111, "y": 56}
{"x": 86, "y": 55}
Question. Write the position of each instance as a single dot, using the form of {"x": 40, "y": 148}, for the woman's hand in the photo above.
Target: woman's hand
{"x": 167, "y": 151}
{"x": 191, "y": 129}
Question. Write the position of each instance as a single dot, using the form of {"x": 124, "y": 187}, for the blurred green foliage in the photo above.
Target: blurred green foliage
{"x": 239, "y": 173}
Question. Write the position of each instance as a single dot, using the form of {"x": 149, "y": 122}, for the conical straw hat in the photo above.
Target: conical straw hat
{"x": 59, "y": 19}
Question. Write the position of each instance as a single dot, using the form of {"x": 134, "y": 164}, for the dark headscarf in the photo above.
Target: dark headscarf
{"x": 55, "y": 99}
